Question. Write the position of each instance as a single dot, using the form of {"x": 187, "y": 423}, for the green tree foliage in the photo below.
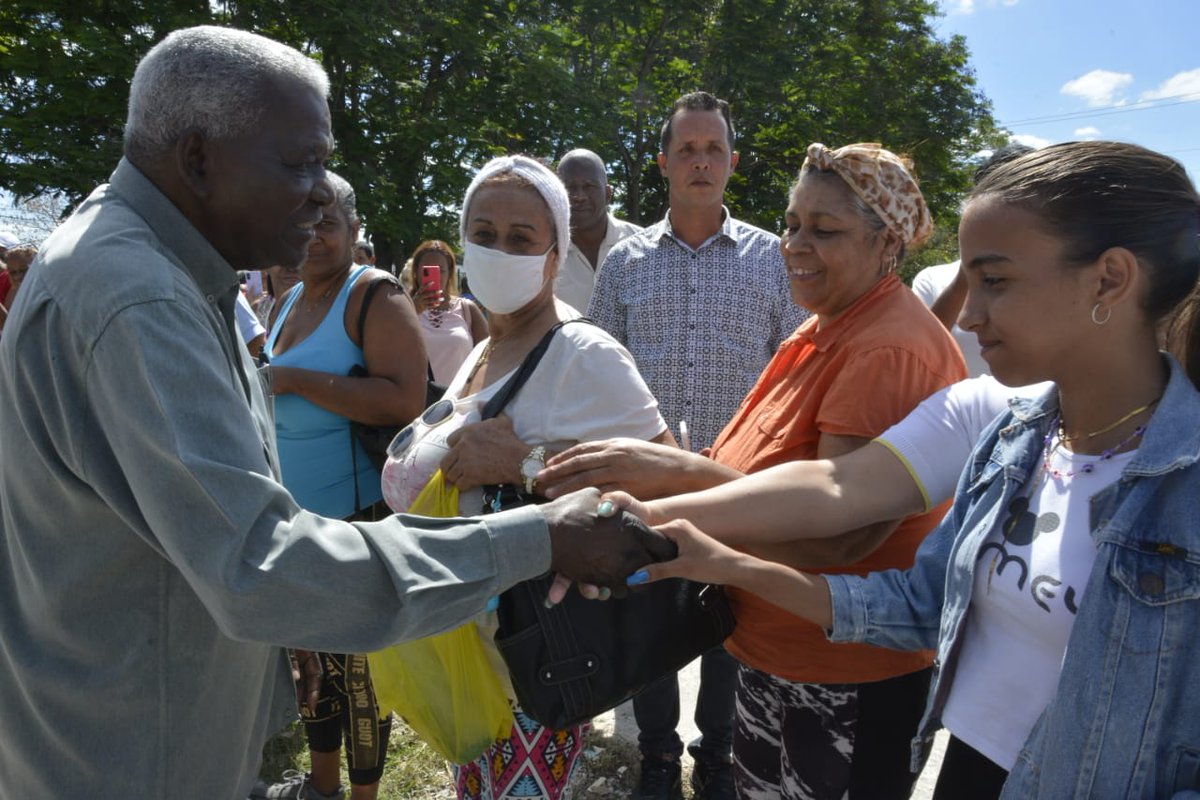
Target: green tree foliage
{"x": 425, "y": 90}
{"x": 65, "y": 68}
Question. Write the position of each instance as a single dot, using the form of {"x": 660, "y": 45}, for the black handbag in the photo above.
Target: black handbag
{"x": 584, "y": 657}
{"x": 376, "y": 438}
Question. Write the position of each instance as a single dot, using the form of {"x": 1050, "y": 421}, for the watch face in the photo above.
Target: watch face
{"x": 530, "y": 468}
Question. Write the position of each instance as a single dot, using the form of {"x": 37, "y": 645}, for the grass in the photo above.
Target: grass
{"x": 607, "y": 770}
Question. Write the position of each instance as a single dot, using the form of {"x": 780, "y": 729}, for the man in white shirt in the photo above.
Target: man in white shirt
{"x": 593, "y": 229}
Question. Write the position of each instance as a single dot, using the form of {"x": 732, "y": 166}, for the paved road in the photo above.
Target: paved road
{"x": 621, "y": 723}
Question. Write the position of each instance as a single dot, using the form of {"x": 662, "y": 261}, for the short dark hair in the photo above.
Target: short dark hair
{"x": 366, "y": 248}
{"x": 696, "y": 101}
{"x": 1001, "y": 156}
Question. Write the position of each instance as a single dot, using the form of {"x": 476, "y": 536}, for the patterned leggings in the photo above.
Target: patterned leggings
{"x": 347, "y": 712}
{"x": 800, "y": 741}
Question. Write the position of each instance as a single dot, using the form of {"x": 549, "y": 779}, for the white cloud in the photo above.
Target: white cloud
{"x": 1090, "y": 132}
{"x": 1185, "y": 83}
{"x": 971, "y": 6}
{"x": 1029, "y": 140}
{"x": 1100, "y": 87}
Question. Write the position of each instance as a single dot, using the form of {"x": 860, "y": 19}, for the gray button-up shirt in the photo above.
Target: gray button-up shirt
{"x": 148, "y": 554}
{"x": 701, "y": 324}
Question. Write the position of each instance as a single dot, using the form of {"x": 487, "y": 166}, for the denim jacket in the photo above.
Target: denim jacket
{"x": 1125, "y": 718}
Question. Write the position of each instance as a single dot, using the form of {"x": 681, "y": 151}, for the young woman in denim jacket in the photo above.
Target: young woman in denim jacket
{"x": 1066, "y": 627}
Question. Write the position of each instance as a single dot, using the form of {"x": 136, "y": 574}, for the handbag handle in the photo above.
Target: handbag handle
{"x": 373, "y": 287}
{"x": 514, "y": 384}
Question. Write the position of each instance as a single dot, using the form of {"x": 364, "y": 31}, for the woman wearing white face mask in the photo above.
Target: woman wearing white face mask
{"x": 585, "y": 387}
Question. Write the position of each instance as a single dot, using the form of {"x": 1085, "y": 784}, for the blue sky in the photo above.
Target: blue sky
{"x": 1106, "y": 69}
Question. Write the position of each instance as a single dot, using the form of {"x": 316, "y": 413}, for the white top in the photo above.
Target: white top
{"x": 585, "y": 388}
{"x": 1030, "y": 577}
{"x": 576, "y": 277}
{"x": 929, "y": 285}
{"x": 249, "y": 326}
{"x": 935, "y": 440}
{"x": 447, "y": 337}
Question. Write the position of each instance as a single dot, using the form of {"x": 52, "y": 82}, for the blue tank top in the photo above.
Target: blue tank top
{"x": 314, "y": 444}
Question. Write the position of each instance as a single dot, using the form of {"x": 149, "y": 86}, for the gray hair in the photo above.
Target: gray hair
{"x": 343, "y": 196}
{"x": 213, "y": 79}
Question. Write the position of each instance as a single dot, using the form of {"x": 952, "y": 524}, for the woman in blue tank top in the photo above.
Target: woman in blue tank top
{"x": 311, "y": 348}
{"x": 314, "y": 342}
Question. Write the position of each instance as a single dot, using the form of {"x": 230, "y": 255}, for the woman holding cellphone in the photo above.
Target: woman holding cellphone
{"x": 451, "y": 325}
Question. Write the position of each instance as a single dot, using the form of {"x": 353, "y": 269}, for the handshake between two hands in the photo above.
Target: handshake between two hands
{"x": 604, "y": 546}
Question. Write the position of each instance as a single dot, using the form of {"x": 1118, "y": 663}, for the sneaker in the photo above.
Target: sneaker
{"x": 294, "y": 786}
{"x": 661, "y": 779}
{"x": 713, "y": 781}
{"x": 712, "y": 778}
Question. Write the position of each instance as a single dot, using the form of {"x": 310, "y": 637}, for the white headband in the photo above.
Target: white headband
{"x": 545, "y": 181}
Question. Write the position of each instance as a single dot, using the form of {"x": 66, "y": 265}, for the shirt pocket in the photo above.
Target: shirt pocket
{"x": 1186, "y": 770}
{"x": 1156, "y": 573}
{"x": 1160, "y": 587}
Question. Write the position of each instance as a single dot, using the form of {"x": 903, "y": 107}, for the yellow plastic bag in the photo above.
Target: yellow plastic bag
{"x": 443, "y": 685}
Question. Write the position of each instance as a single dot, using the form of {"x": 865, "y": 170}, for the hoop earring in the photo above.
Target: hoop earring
{"x": 1107, "y": 316}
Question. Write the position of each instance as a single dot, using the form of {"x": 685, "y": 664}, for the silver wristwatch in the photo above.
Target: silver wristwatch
{"x": 531, "y": 465}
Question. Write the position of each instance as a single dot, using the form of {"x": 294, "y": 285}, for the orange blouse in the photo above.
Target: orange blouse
{"x": 859, "y": 375}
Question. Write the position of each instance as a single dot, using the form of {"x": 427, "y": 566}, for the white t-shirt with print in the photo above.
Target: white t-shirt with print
{"x": 1030, "y": 577}
{"x": 936, "y": 439}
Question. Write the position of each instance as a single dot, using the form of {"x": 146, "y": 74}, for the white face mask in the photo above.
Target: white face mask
{"x": 503, "y": 283}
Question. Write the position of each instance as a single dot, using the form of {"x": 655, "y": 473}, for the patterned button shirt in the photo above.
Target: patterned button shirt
{"x": 701, "y": 324}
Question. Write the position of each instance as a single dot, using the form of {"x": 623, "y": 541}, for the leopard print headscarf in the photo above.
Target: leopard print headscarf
{"x": 881, "y": 179}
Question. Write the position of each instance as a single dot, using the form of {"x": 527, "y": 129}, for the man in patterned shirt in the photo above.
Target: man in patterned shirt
{"x": 702, "y": 301}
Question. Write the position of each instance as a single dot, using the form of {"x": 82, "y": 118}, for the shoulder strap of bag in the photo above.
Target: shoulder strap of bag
{"x": 373, "y": 287}
{"x": 509, "y": 390}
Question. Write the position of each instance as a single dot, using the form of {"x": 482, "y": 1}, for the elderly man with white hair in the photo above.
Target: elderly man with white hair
{"x": 152, "y": 563}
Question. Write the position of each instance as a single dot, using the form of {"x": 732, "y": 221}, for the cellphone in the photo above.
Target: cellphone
{"x": 431, "y": 278}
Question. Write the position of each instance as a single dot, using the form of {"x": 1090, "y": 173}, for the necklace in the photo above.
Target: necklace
{"x": 1087, "y": 468}
{"x": 483, "y": 359}
{"x": 310, "y": 307}
{"x": 1125, "y": 418}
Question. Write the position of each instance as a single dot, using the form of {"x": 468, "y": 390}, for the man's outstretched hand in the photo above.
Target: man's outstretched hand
{"x": 603, "y": 551}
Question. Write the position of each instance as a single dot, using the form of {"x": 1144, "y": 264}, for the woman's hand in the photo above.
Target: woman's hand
{"x": 701, "y": 557}
{"x": 306, "y": 673}
{"x": 484, "y": 452}
{"x": 425, "y": 299}
{"x": 644, "y": 469}
{"x": 622, "y": 501}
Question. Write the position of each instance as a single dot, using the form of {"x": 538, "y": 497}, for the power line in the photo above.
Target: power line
{"x": 1144, "y": 105}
